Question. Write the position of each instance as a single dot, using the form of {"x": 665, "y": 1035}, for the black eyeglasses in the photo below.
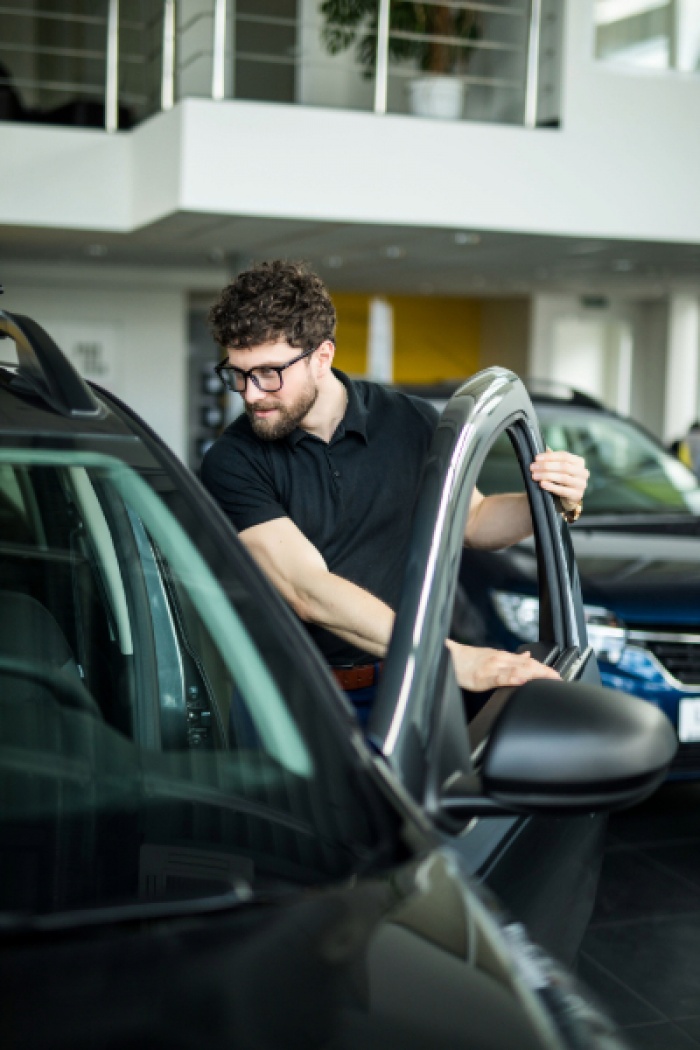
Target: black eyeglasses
{"x": 267, "y": 378}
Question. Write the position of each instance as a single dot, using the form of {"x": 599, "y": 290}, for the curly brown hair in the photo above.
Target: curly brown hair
{"x": 275, "y": 300}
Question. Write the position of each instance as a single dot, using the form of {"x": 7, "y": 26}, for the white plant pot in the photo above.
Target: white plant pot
{"x": 436, "y": 96}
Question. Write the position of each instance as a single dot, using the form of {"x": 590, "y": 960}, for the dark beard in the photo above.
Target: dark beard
{"x": 288, "y": 416}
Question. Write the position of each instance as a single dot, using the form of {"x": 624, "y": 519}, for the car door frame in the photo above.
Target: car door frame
{"x": 491, "y": 402}
{"x": 418, "y": 725}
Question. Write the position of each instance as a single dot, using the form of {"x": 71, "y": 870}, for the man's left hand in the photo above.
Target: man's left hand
{"x": 563, "y": 474}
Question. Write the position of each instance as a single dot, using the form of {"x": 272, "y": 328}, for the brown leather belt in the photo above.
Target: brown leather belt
{"x": 350, "y": 678}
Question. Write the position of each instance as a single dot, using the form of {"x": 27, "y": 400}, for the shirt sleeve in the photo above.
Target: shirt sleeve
{"x": 240, "y": 480}
{"x": 429, "y": 414}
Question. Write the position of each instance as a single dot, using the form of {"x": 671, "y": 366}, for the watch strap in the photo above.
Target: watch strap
{"x": 570, "y": 516}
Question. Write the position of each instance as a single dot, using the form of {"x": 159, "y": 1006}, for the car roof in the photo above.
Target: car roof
{"x": 551, "y": 391}
{"x": 541, "y": 391}
{"x": 42, "y": 392}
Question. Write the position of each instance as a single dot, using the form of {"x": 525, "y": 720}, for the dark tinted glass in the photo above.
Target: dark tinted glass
{"x": 147, "y": 749}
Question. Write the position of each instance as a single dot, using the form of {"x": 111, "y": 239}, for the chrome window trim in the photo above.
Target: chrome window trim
{"x": 663, "y": 636}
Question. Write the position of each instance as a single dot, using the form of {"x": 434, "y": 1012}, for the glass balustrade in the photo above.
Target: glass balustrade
{"x": 112, "y": 63}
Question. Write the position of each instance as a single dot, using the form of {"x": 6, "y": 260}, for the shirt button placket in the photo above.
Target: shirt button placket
{"x": 335, "y": 473}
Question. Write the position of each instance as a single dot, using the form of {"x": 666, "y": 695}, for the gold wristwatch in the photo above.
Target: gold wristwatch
{"x": 570, "y": 516}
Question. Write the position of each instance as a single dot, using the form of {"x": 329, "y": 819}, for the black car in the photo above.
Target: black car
{"x": 173, "y": 877}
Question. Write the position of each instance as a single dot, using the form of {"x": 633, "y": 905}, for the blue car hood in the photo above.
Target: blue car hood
{"x": 645, "y": 571}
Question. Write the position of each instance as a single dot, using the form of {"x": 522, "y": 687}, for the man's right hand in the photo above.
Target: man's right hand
{"x": 481, "y": 669}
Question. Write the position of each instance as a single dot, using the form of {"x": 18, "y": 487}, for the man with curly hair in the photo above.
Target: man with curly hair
{"x": 321, "y": 473}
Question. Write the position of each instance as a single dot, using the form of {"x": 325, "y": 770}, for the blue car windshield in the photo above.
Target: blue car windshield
{"x": 631, "y": 474}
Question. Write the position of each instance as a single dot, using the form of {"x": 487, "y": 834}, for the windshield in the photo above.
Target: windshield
{"x": 148, "y": 751}
{"x": 630, "y": 473}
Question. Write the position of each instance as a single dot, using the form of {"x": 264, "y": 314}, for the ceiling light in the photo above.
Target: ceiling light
{"x": 463, "y": 237}
{"x": 586, "y": 248}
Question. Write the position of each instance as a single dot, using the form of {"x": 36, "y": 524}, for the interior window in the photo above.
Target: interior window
{"x": 143, "y": 737}
{"x": 14, "y": 522}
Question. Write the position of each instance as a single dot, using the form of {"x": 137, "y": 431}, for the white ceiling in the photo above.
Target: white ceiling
{"x": 375, "y": 258}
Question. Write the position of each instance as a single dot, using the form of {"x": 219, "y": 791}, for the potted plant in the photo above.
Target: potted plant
{"x": 437, "y": 38}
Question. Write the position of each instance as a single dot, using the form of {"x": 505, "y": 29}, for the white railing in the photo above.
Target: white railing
{"x": 58, "y": 65}
{"x": 450, "y": 58}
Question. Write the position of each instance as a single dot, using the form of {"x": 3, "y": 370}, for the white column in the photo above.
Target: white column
{"x": 380, "y": 341}
{"x": 683, "y": 350}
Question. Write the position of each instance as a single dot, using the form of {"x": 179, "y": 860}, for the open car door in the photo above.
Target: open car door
{"x": 544, "y": 867}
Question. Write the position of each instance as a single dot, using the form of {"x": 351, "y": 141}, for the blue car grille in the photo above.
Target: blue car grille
{"x": 677, "y": 651}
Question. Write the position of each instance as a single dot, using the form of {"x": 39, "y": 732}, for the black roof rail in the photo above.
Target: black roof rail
{"x": 46, "y": 369}
{"x": 557, "y": 391}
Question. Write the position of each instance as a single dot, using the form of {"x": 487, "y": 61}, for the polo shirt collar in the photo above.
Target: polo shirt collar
{"x": 354, "y": 420}
{"x": 356, "y": 414}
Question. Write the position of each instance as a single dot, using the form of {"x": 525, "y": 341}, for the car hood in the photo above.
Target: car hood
{"x": 645, "y": 571}
{"x": 407, "y": 960}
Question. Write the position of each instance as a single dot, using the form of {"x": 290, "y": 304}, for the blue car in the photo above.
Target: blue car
{"x": 637, "y": 547}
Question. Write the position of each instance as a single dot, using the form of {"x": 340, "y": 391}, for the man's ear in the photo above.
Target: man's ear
{"x": 324, "y": 355}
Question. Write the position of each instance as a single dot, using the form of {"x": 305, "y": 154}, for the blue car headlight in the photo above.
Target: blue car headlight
{"x": 520, "y": 614}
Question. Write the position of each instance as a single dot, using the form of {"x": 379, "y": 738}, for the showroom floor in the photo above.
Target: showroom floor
{"x": 641, "y": 954}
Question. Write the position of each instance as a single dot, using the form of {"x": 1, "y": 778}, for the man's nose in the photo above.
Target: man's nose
{"x": 252, "y": 393}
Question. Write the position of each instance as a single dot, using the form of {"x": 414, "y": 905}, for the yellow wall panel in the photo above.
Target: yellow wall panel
{"x": 434, "y": 338}
{"x": 351, "y": 335}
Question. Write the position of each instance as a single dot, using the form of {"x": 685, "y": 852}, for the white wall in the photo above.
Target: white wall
{"x": 148, "y": 322}
{"x": 586, "y": 347}
{"x": 649, "y": 371}
{"x": 682, "y": 365}
{"x": 688, "y": 34}
{"x": 649, "y": 324}
{"x": 70, "y": 178}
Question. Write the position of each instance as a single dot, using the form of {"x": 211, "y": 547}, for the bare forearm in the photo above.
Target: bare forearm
{"x": 499, "y": 521}
{"x": 347, "y": 610}
{"x": 317, "y": 595}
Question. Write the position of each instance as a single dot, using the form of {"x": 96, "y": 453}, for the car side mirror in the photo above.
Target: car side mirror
{"x": 566, "y": 747}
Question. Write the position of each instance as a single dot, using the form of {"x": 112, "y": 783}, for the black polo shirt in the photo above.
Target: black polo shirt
{"x": 352, "y": 497}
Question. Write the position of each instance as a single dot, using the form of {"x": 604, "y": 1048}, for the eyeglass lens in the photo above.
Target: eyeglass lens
{"x": 267, "y": 378}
